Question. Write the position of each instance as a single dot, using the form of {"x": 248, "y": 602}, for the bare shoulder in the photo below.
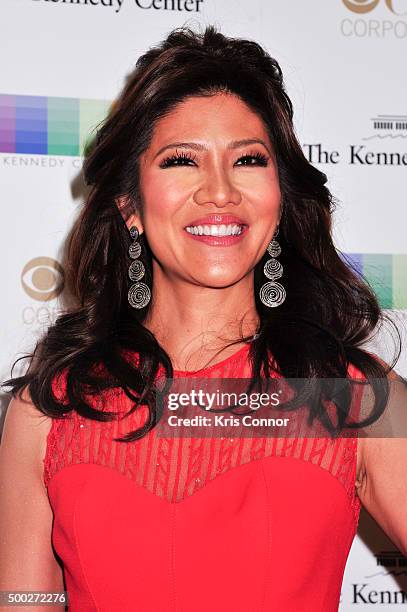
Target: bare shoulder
{"x": 24, "y": 434}
{"x": 388, "y": 436}
{"x": 394, "y": 419}
{"x": 381, "y": 483}
{"x": 27, "y": 559}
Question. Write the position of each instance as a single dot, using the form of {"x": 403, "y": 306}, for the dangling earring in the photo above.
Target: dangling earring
{"x": 139, "y": 293}
{"x": 273, "y": 294}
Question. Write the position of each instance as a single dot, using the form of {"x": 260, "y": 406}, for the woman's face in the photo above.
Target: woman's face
{"x": 210, "y": 163}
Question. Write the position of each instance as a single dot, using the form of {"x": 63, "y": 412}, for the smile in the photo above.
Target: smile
{"x": 215, "y": 230}
{"x": 217, "y": 235}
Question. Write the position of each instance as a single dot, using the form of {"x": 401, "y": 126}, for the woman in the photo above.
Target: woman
{"x": 202, "y": 195}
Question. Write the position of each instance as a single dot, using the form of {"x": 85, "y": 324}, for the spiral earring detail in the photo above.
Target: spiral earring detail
{"x": 273, "y": 294}
{"x": 139, "y": 293}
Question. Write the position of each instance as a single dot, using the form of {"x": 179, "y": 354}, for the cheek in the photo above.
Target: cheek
{"x": 259, "y": 183}
{"x": 161, "y": 193}
{"x": 266, "y": 196}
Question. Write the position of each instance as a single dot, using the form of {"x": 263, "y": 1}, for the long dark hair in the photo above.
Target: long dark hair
{"x": 329, "y": 311}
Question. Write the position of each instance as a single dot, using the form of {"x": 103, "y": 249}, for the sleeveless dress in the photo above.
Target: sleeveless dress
{"x": 199, "y": 524}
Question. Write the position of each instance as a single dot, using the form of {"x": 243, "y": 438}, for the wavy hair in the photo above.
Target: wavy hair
{"x": 330, "y": 309}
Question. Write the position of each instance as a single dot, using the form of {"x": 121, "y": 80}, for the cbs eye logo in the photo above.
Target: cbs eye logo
{"x": 42, "y": 278}
{"x": 366, "y": 6}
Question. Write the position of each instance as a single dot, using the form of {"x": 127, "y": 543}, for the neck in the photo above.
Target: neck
{"x": 192, "y": 322}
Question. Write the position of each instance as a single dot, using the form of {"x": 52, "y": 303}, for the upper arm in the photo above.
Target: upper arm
{"x": 382, "y": 486}
{"x": 27, "y": 560}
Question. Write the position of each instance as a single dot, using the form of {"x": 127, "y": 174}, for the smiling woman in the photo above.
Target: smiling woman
{"x": 219, "y": 192}
{"x": 206, "y": 233}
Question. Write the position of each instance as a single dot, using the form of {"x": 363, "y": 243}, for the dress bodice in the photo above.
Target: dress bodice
{"x": 190, "y": 524}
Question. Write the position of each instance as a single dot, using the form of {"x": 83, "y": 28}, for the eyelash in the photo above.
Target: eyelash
{"x": 169, "y": 161}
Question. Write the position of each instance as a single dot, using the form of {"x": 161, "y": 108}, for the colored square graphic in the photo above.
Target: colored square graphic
{"x": 39, "y": 125}
{"x": 378, "y": 271}
{"x": 385, "y": 273}
{"x": 92, "y": 113}
{"x": 63, "y": 126}
{"x": 7, "y": 124}
{"x": 31, "y": 124}
{"x": 399, "y": 281}
{"x": 353, "y": 261}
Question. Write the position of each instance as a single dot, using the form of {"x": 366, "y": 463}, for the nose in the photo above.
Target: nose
{"x": 217, "y": 188}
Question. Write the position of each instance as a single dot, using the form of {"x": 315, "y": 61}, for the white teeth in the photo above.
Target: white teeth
{"x": 215, "y": 230}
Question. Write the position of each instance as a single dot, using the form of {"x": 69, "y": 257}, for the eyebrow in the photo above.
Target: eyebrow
{"x": 235, "y": 144}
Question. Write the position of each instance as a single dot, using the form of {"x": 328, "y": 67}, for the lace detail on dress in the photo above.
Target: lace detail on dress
{"x": 176, "y": 468}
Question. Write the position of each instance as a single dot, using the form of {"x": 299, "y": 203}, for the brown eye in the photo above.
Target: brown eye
{"x": 177, "y": 159}
{"x": 259, "y": 159}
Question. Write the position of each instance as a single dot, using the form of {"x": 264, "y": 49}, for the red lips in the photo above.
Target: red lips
{"x": 217, "y": 219}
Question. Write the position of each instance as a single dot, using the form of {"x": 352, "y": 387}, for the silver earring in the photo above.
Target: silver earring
{"x": 273, "y": 294}
{"x": 139, "y": 293}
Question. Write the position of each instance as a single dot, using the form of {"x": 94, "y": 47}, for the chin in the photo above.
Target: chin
{"x": 219, "y": 281}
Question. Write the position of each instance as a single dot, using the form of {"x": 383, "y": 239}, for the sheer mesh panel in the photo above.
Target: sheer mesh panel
{"x": 175, "y": 468}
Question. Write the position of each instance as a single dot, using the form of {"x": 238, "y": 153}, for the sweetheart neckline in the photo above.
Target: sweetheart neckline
{"x": 252, "y": 464}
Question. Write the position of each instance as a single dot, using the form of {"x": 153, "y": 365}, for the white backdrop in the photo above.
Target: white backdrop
{"x": 63, "y": 61}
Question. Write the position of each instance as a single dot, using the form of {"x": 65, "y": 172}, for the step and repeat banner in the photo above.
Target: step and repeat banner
{"x": 64, "y": 62}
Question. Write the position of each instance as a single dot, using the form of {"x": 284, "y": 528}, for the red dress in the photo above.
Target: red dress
{"x": 200, "y": 524}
